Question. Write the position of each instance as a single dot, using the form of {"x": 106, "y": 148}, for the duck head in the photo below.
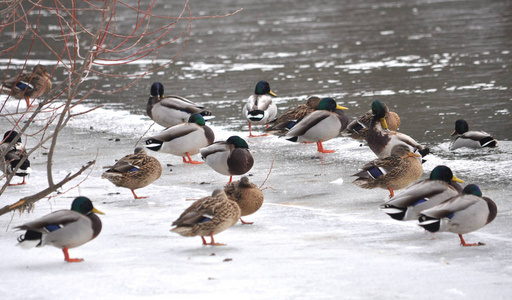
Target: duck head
{"x": 329, "y": 104}
{"x": 197, "y": 119}
{"x": 445, "y": 174}
{"x": 461, "y": 127}
{"x": 237, "y": 141}
{"x": 263, "y": 88}
{"x": 10, "y": 135}
{"x": 379, "y": 110}
{"x": 402, "y": 150}
{"x": 157, "y": 90}
{"x": 472, "y": 189}
{"x": 84, "y": 206}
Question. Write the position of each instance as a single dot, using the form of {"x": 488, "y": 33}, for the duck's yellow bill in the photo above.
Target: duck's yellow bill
{"x": 412, "y": 154}
{"x": 272, "y": 93}
{"x": 383, "y": 123}
{"x": 341, "y": 107}
{"x": 94, "y": 210}
{"x": 457, "y": 179}
{"x": 454, "y": 133}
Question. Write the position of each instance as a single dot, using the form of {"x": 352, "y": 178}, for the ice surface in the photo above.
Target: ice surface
{"x": 316, "y": 236}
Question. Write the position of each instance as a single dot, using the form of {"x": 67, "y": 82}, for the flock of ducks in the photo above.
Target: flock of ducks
{"x": 437, "y": 203}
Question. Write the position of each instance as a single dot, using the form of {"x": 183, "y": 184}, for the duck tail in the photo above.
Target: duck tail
{"x": 30, "y": 239}
{"x": 397, "y": 213}
{"x": 429, "y": 223}
{"x": 183, "y": 230}
{"x": 488, "y": 142}
{"x": 293, "y": 139}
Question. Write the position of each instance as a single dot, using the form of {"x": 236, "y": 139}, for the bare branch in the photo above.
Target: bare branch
{"x": 26, "y": 203}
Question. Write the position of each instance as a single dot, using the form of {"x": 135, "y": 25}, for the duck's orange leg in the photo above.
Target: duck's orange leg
{"x": 258, "y": 135}
{"x": 190, "y": 161}
{"x": 391, "y": 192}
{"x": 321, "y": 148}
{"x": 243, "y": 222}
{"x": 212, "y": 243}
{"x": 22, "y": 183}
{"x": 463, "y": 242}
{"x": 230, "y": 180}
{"x": 137, "y": 197}
{"x": 66, "y": 256}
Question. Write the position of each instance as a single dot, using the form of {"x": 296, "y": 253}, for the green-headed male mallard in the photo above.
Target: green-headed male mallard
{"x": 292, "y": 116}
{"x": 230, "y": 157}
{"x": 28, "y": 85}
{"x": 319, "y": 126}
{"x": 471, "y": 139}
{"x": 358, "y": 129}
{"x": 394, "y": 172}
{"x": 63, "y": 229}
{"x": 183, "y": 139}
{"x": 246, "y": 194}
{"x": 381, "y": 140}
{"x": 171, "y": 110}
{"x": 423, "y": 194}
{"x": 134, "y": 171}
{"x": 259, "y": 108}
{"x": 461, "y": 214}
{"x": 13, "y": 156}
{"x": 207, "y": 217}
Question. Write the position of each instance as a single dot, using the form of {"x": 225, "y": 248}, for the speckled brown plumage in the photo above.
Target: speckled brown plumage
{"x": 281, "y": 124}
{"x": 134, "y": 171}
{"x": 358, "y": 129}
{"x": 28, "y": 85}
{"x": 246, "y": 194}
{"x": 208, "y": 216}
{"x": 394, "y": 172}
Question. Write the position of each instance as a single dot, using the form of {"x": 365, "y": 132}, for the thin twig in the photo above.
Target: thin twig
{"x": 269, "y": 171}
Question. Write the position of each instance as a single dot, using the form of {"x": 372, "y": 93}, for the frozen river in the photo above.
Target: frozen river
{"x": 317, "y": 236}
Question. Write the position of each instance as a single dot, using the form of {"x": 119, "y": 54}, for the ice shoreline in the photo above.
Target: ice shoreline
{"x": 317, "y": 235}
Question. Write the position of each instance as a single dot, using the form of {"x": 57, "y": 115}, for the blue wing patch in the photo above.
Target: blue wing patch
{"x": 52, "y": 227}
{"x": 420, "y": 201}
{"x": 376, "y": 172}
{"x": 204, "y": 219}
{"x": 24, "y": 85}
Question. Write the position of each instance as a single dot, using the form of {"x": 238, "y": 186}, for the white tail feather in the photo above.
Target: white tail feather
{"x": 28, "y": 244}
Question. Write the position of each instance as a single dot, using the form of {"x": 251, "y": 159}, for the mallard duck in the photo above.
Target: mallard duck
{"x": 461, "y": 214}
{"x": 381, "y": 140}
{"x": 260, "y": 109}
{"x": 134, "y": 171}
{"x": 424, "y": 194}
{"x": 230, "y": 157}
{"x": 63, "y": 229}
{"x": 246, "y": 194}
{"x": 183, "y": 139}
{"x": 292, "y": 116}
{"x": 28, "y": 85}
{"x": 394, "y": 172}
{"x": 171, "y": 110}
{"x": 471, "y": 139}
{"x": 358, "y": 129}
{"x": 207, "y": 217}
{"x": 13, "y": 156}
{"x": 319, "y": 126}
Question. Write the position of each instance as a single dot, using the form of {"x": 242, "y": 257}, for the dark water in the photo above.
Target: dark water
{"x": 431, "y": 61}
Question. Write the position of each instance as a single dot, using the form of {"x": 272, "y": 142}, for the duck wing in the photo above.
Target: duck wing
{"x": 175, "y": 132}
{"x": 308, "y": 122}
{"x": 47, "y": 223}
{"x": 183, "y": 104}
